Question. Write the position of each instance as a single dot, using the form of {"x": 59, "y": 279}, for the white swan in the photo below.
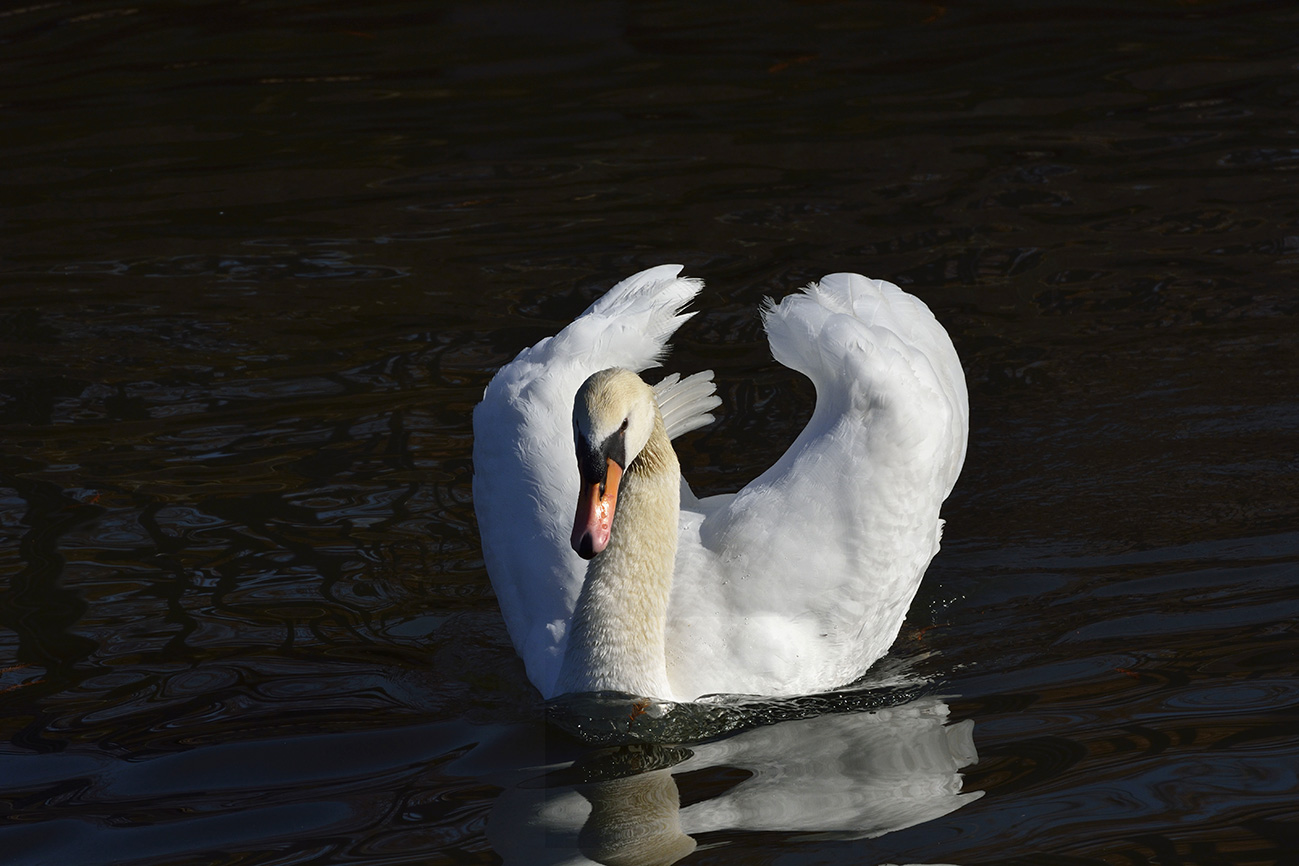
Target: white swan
{"x": 797, "y": 583}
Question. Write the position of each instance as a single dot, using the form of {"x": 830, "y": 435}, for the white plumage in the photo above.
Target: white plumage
{"x": 801, "y": 580}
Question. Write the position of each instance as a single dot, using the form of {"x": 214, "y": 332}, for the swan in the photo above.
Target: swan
{"x": 612, "y": 575}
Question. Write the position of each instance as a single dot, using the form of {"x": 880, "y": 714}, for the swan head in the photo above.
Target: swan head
{"x": 613, "y": 418}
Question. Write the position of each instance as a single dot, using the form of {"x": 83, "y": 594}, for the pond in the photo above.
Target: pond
{"x": 261, "y": 259}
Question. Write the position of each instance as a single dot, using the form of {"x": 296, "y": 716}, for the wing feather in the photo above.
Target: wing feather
{"x": 525, "y": 479}
{"x": 842, "y": 526}
{"x": 687, "y": 403}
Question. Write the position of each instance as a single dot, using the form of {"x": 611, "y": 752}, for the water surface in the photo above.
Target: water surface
{"x": 260, "y": 260}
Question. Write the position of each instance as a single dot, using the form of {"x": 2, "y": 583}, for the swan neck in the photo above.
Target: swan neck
{"x": 617, "y": 642}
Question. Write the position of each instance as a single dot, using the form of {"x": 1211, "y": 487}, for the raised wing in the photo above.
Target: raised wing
{"x": 525, "y": 474}
{"x": 804, "y": 576}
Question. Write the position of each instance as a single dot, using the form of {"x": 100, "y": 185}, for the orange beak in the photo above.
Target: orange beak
{"x": 595, "y": 506}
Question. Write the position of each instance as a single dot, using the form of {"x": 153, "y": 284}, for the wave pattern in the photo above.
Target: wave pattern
{"x": 252, "y": 296}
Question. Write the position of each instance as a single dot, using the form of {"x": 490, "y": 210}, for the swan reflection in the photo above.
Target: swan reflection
{"x": 844, "y": 776}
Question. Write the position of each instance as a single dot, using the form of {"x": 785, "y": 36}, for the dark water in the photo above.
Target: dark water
{"x": 259, "y": 260}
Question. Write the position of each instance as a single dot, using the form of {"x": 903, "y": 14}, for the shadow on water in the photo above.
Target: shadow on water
{"x": 34, "y": 605}
{"x": 613, "y": 718}
{"x": 262, "y": 258}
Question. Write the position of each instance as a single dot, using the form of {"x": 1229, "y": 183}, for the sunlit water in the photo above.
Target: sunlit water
{"x": 260, "y": 259}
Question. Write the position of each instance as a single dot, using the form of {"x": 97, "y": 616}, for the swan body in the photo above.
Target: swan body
{"x": 795, "y": 584}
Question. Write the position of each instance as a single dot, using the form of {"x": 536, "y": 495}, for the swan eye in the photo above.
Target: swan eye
{"x": 623, "y": 428}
